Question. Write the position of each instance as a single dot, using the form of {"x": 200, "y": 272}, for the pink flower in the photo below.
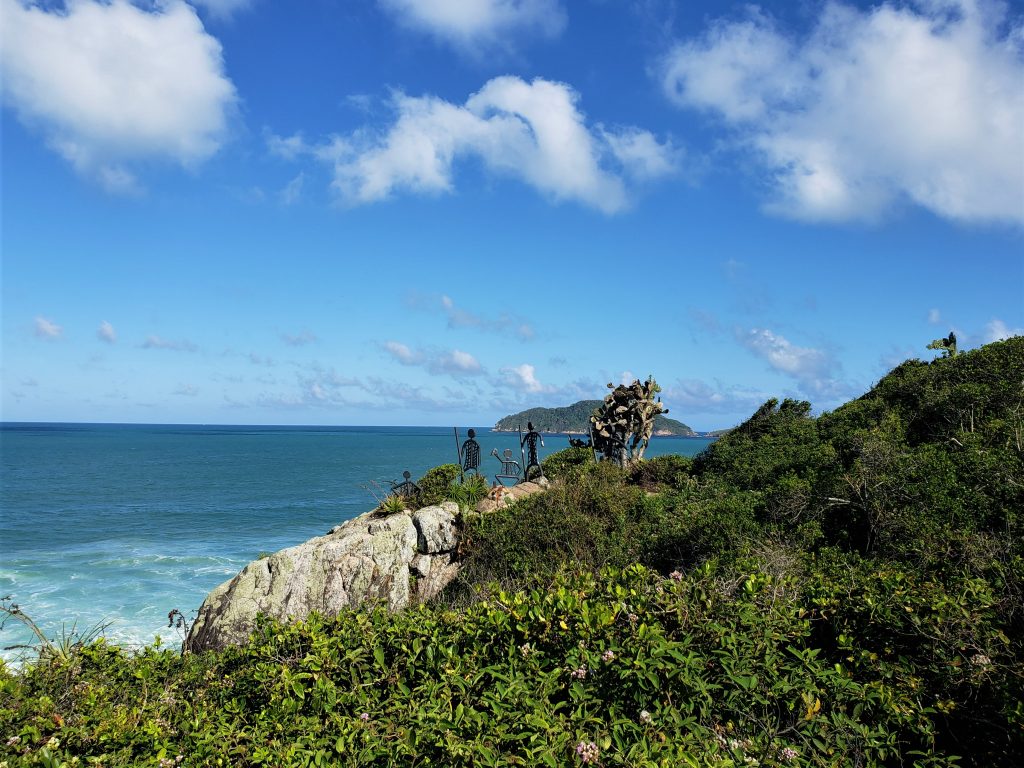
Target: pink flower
{"x": 365, "y": 716}
{"x": 608, "y": 655}
{"x": 587, "y": 752}
{"x": 676, "y": 576}
{"x": 580, "y": 673}
{"x": 788, "y": 753}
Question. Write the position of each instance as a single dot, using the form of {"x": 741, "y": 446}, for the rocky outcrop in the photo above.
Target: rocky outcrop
{"x": 396, "y": 559}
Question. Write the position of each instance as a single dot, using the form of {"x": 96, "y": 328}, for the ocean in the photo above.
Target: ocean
{"x": 121, "y": 523}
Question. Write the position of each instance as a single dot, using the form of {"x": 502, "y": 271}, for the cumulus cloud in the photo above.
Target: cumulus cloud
{"x": 453, "y": 362}
{"x": 934, "y": 316}
{"x": 47, "y": 329}
{"x": 475, "y": 23}
{"x": 110, "y": 84}
{"x": 532, "y": 131}
{"x": 156, "y": 342}
{"x": 106, "y": 333}
{"x": 814, "y": 370}
{"x": 919, "y": 102}
{"x": 523, "y": 378}
{"x": 997, "y": 330}
{"x": 402, "y": 353}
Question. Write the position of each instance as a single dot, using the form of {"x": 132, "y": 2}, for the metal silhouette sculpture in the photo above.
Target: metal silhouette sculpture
{"x": 406, "y": 489}
{"x": 530, "y": 459}
{"x": 947, "y": 345}
{"x": 510, "y": 469}
{"x": 469, "y": 453}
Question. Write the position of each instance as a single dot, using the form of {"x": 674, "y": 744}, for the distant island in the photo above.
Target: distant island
{"x": 575, "y": 420}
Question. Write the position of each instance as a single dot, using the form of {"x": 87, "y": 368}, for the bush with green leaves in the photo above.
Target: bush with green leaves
{"x": 469, "y": 492}
{"x": 436, "y": 484}
{"x": 846, "y": 590}
{"x": 567, "y": 463}
{"x": 707, "y": 668}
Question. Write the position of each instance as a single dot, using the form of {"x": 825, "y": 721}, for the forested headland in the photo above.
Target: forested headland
{"x": 575, "y": 419}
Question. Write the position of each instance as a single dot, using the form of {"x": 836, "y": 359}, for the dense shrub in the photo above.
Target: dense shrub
{"x": 435, "y": 485}
{"x": 669, "y": 471}
{"x": 708, "y": 668}
{"x": 567, "y": 463}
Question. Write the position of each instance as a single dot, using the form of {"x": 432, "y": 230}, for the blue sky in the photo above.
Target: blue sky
{"x": 444, "y": 211}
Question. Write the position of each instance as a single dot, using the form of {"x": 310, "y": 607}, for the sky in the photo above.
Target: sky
{"x": 438, "y": 212}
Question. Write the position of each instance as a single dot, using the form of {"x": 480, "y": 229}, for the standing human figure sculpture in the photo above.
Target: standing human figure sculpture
{"x": 529, "y": 441}
{"x": 469, "y": 454}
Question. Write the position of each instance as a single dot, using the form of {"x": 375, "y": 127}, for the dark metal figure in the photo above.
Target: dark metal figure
{"x": 510, "y": 469}
{"x": 530, "y": 440}
{"x": 469, "y": 454}
{"x": 406, "y": 489}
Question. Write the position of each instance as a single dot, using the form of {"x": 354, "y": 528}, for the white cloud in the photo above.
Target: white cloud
{"x": 110, "y": 84}
{"x": 106, "y": 333}
{"x": 458, "y": 362}
{"x": 997, "y": 330}
{"x": 531, "y": 131}
{"x": 156, "y": 342}
{"x": 523, "y": 378}
{"x": 814, "y": 370}
{"x": 453, "y": 362}
{"x": 222, "y": 9}
{"x": 293, "y": 189}
{"x": 920, "y": 102}
{"x": 472, "y": 23}
{"x": 458, "y": 317}
{"x": 641, "y": 155}
{"x": 287, "y": 147}
{"x": 402, "y": 353}
{"x": 934, "y": 316}
{"x": 186, "y": 390}
{"x": 47, "y": 329}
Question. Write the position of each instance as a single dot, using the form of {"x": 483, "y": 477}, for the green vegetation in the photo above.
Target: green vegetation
{"x": 575, "y": 419}
{"x": 846, "y": 590}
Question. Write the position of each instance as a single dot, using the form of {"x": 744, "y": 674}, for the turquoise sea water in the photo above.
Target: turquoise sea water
{"x": 122, "y": 523}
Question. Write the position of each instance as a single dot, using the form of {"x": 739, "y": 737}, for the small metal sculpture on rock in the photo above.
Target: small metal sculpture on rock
{"x": 529, "y": 441}
{"x": 469, "y": 453}
{"x": 406, "y": 489}
{"x": 510, "y": 469}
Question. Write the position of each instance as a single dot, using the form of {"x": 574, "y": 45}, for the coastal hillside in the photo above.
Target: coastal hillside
{"x": 809, "y": 592}
{"x": 575, "y": 419}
